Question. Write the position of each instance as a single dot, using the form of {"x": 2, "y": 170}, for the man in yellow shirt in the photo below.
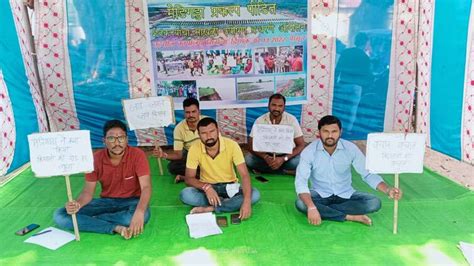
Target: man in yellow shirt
{"x": 184, "y": 135}
{"x": 218, "y": 188}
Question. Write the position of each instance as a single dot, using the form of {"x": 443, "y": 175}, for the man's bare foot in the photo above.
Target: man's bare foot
{"x": 360, "y": 219}
{"x": 123, "y": 231}
{"x": 179, "y": 179}
{"x": 202, "y": 209}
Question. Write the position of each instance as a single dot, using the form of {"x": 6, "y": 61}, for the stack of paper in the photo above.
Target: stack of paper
{"x": 51, "y": 238}
{"x": 468, "y": 251}
{"x": 202, "y": 224}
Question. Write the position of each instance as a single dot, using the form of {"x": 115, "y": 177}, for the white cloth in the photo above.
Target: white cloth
{"x": 232, "y": 189}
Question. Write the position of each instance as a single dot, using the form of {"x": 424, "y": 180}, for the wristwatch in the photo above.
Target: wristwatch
{"x": 285, "y": 158}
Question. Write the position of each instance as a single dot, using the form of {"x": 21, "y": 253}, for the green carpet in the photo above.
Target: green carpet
{"x": 434, "y": 215}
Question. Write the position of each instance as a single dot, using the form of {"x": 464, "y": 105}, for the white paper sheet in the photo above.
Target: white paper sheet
{"x": 468, "y": 252}
{"x": 202, "y": 225}
{"x": 52, "y": 240}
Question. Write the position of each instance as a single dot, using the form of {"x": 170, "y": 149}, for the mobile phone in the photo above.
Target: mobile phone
{"x": 234, "y": 218}
{"x": 261, "y": 179}
{"x": 222, "y": 221}
{"x": 27, "y": 229}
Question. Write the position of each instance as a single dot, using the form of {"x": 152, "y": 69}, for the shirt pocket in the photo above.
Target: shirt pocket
{"x": 129, "y": 178}
{"x": 129, "y": 182}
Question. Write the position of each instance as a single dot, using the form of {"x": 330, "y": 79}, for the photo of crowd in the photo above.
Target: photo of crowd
{"x": 278, "y": 59}
{"x": 177, "y": 88}
{"x": 228, "y": 75}
{"x": 222, "y": 62}
{"x": 179, "y": 64}
{"x": 229, "y": 62}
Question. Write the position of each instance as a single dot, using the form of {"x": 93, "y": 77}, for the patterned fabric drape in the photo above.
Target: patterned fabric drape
{"x": 7, "y": 128}
{"x": 321, "y": 67}
{"x": 23, "y": 29}
{"x": 402, "y": 82}
{"x": 54, "y": 64}
{"x": 467, "y": 134}
{"x": 425, "y": 49}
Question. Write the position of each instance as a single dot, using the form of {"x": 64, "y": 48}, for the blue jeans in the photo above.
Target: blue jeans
{"x": 336, "y": 208}
{"x": 196, "y": 197}
{"x": 101, "y": 215}
{"x": 256, "y": 163}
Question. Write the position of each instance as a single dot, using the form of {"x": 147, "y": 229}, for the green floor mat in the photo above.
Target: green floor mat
{"x": 434, "y": 215}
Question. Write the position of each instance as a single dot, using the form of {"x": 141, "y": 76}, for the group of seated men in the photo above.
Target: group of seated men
{"x": 205, "y": 160}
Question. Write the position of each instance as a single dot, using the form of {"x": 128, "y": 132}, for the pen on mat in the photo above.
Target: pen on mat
{"x": 40, "y": 233}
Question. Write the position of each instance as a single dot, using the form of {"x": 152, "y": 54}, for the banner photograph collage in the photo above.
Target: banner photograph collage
{"x": 233, "y": 54}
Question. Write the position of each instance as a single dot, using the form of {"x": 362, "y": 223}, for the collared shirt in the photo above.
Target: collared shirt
{"x": 221, "y": 168}
{"x": 286, "y": 119}
{"x": 331, "y": 174}
{"x": 184, "y": 137}
{"x": 119, "y": 181}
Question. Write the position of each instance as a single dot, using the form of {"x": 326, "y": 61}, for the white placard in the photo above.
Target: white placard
{"x": 61, "y": 153}
{"x": 395, "y": 153}
{"x": 149, "y": 112}
{"x": 273, "y": 138}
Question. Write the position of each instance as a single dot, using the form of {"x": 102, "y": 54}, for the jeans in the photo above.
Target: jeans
{"x": 178, "y": 167}
{"x": 101, "y": 215}
{"x": 196, "y": 197}
{"x": 336, "y": 208}
{"x": 256, "y": 163}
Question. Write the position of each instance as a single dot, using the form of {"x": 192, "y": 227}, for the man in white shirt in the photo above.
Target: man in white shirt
{"x": 262, "y": 162}
{"x": 259, "y": 66}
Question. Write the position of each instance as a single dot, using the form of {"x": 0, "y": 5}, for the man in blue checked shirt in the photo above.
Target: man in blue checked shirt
{"x": 327, "y": 163}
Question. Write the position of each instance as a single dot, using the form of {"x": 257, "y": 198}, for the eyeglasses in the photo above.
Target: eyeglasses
{"x": 112, "y": 139}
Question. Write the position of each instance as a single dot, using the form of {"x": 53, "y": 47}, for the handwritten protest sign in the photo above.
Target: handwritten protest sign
{"x": 273, "y": 138}
{"x": 395, "y": 153}
{"x": 61, "y": 153}
{"x": 143, "y": 113}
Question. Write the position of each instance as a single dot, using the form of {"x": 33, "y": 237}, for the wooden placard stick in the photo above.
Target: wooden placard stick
{"x": 74, "y": 218}
{"x": 395, "y": 207}
{"x": 274, "y": 154}
{"x": 160, "y": 166}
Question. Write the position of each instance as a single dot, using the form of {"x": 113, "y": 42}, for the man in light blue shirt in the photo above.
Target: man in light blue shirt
{"x": 327, "y": 163}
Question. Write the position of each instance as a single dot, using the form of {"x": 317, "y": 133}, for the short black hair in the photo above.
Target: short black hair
{"x": 112, "y": 124}
{"x": 277, "y": 96}
{"x": 206, "y": 121}
{"x": 329, "y": 120}
{"x": 190, "y": 101}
